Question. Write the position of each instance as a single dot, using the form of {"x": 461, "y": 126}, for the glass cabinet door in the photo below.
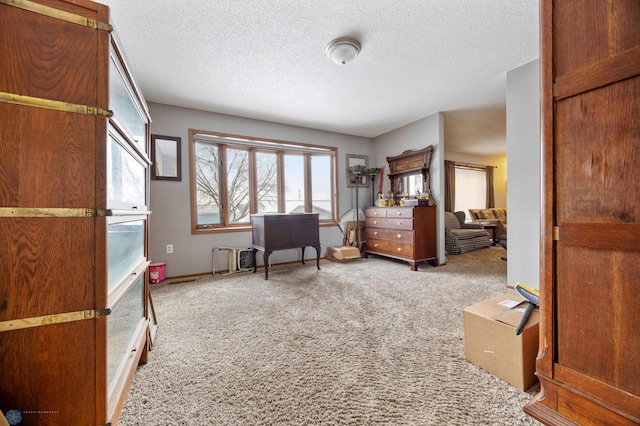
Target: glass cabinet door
{"x": 125, "y": 110}
{"x": 125, "y": 248}
{"x": 126, "y": 175}
{"x": 122, "y": 324}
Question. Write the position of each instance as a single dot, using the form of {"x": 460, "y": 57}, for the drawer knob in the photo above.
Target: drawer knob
{"x": 398, "y": 223}
{"x": 375, "y": 233}
{"x": 375, "y": 212}
{"x": 398, "y": 212}
{"x": 375, "y": 245}
{"x": 399, "y": 249}
{"x": 399, "y": 236}
{"x": 375, "y": 222}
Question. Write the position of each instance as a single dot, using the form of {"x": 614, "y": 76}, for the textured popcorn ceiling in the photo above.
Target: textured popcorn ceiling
{"x": 266, "y": 60}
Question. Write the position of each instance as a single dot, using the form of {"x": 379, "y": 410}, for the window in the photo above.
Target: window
{"x": 236, "y": 176}
{"x": 471, "y": 189}
{"x": 266, "y": 170}
{"x": 294, "y": 192}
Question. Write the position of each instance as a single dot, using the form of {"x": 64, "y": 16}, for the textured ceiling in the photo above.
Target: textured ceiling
{"x": 266, "y": 60}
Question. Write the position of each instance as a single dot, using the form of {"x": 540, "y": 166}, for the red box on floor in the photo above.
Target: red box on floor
{"x": 157, "y": 272}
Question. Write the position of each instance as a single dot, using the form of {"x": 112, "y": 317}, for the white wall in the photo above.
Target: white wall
{"x": 419, "y": 135}
{"x": 523, "y": 175}
{"x": 170, "y": 221}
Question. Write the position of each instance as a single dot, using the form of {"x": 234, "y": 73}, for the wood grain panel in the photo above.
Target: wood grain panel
{"x": 57, "y": 54}
{"x": 608, "y": 394}
{"x": 590, "y": 32}
{"x": 581, "y": 38}
{"x": 597, "y": 177}
{"x": 45, "y": 260}
{"x": 587, "y": 412}
{"x": 601, "y": 236}
{"x": 624, "y": 30}
{"x": 600, "y": 74}
{"x": 10, "y": 152}
{"x": 62, "y": 355}
{"x": 49, "y": 162}
{"x": 597, "y": 298}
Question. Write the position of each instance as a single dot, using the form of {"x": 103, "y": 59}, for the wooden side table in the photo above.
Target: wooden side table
{"x": 491, "y": 227}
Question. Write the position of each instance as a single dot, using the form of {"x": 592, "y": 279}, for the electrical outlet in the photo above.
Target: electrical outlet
{"x": 169, "y": 248}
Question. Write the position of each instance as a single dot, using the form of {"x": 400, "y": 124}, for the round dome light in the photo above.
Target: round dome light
{"x": 343, "y": 50}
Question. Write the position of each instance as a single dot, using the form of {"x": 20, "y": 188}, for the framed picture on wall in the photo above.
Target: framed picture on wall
{"x": 357, "y": 166}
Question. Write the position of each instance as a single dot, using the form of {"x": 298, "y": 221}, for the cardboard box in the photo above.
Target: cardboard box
{"x": 490, "y": 340}
{"x": 350, "y": 236}
{"x": 343, "y": 253}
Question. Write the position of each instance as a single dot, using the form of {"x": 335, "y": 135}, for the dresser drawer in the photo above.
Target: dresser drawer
{"x": 399, "y": 236}
{"x": 390, "y": 247}
{"x": 404, "y": 212}
{"x": 376, "y": 212}
{"x": 406, "y": 224}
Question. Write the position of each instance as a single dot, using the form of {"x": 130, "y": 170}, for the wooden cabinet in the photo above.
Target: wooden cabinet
{"x": 73, "y": 215}
{"x": 405, "y": 233}
{"x": 272, "y": 232}
{"x": 590, "y": 270}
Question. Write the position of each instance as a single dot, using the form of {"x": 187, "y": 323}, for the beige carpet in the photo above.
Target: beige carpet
{"x": 363, "y": 343}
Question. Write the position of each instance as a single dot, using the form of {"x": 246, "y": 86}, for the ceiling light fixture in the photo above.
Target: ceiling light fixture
{"x": 343, "y": 50}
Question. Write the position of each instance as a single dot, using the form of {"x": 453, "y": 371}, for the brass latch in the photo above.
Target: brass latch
{"x": 58, "y": 14}
{"x": 31, "y": 101}
{"x": 46, "y": 212}
{"x": 31, "y": 322}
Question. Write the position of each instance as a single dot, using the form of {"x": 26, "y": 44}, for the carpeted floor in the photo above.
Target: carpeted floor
{"x": 362, "y": 343}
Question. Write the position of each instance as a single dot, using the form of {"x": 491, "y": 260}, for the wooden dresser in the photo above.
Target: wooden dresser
{"x": 74, "y": 180}
{"x": 405, "y": 233}
{"x": 272, "y": 232}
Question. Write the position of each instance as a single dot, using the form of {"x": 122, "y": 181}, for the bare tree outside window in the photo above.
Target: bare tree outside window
{"x": 208, "y": 157}
{"x": 238, "y": 185}
{"x": 266, "y": 167}
{"x": 207, "y": 162}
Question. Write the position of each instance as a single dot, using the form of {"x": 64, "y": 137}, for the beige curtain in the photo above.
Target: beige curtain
{"x": 449, "y": 185}
{"x": 491, "y": 198}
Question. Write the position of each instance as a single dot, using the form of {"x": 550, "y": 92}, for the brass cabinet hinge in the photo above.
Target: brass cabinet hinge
{"x": 21, "y": 323}
{"x": 66, "y": 212}
{"x": 46, "y": 212}
{"x": 58, "y": 14}
{"x": 556, "y": 233}
{"x": 12, "y": 98}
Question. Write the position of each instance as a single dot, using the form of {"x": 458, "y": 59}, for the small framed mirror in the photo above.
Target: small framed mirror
{"x": 357, "y": 166}
{"x": 165, "y": 152}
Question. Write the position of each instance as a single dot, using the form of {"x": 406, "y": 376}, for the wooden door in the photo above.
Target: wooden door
{"x": 588, "y": 364}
